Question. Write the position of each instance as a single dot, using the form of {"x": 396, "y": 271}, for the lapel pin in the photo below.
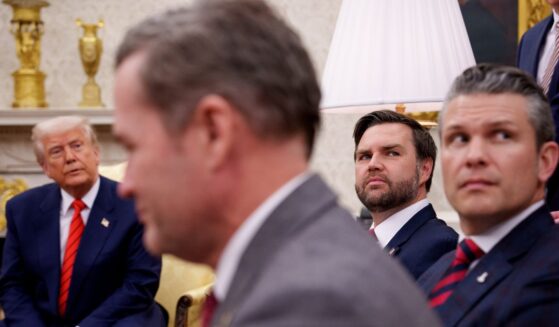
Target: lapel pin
{"x": 105, "y": 222}
{"x": 481, "y": 278}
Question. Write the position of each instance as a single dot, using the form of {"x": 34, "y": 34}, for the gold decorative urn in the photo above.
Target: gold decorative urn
{"x": 91, "y": 48}
{"x": 27, "y": 28}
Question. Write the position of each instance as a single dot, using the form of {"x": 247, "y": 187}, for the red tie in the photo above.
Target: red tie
{"x": 74, "y": 236}
{"x": 373, "y": 234}
{"x": 208, "y": 309}
{"x": 466, "y": 253}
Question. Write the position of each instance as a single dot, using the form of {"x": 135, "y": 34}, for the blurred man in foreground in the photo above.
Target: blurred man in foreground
{"x": 218, "y": 107}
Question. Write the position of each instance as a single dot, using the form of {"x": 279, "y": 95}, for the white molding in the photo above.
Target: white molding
{"x": 30, "y": 117}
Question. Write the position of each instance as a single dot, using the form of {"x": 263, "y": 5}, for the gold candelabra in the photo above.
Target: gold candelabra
{"x": 27, "y": 28}
{"x": 91, "y": 48}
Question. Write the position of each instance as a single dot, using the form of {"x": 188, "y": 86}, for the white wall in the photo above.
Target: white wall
{"x": 313, "y": 19}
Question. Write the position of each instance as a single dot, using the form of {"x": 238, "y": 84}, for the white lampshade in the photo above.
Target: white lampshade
{"x": 395, "y": 51}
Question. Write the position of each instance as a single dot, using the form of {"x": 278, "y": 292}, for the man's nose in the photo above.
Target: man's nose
{"x": 476, "y": 154}
{"x": 69, "y": 155}
{"x": 375, "y": 163}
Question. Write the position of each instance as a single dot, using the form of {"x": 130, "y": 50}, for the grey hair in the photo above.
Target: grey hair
{"x": 59, "y": 125}
{"x": 238, "y": 49}
{"x": 499, "y": 79}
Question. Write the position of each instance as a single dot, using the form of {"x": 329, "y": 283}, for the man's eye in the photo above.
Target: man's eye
{"x": 364, "y": 157}
{"x": 503, "y": 135}
{"x": 393, "y": 153}
{"x": 55, "y": 152}
{"x": 457, "y": 139}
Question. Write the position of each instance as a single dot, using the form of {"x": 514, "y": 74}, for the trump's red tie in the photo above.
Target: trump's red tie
{"x": 466, "y": 253}
{"x": 74, "y": 237}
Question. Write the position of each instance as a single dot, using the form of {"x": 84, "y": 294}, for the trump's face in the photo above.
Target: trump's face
{"x": 71, "y": 160}
{"x": 491, "y": 166}
{"x": 164, "y": 173}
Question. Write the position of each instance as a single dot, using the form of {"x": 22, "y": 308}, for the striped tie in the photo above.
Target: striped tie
{"x": 546, "y": 80}
{"x": 74, "y": 236}
{"x": 466, "y": 253}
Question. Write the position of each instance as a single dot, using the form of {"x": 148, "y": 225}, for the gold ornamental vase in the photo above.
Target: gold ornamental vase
{"x": 91, "y": 48}
{"x": 27, "y": 28}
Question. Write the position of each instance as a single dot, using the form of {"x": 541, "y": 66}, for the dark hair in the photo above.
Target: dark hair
{"x": 424, "y": 144}
{"x": 238, "y": 49}
{"x": 499, "y": 79}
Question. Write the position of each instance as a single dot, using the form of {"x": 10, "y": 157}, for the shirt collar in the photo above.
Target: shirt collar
{"x": 88, "y": 198}
{"x": 386, "y": 230}
{"x": 487, "y": 240}
{"x": 555, "y": 17}
{"x": 231, "y": 255}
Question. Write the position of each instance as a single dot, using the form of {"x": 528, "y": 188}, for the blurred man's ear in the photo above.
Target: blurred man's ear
{"x": 217, "y": 120}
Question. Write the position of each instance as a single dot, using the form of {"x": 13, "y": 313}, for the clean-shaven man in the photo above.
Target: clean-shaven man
{"x": 497, "y": 152}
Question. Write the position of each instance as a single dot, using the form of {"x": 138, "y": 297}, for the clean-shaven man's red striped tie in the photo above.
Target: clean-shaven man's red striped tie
{"x": 74, "y": 237}
{"x": 466, "y": 253}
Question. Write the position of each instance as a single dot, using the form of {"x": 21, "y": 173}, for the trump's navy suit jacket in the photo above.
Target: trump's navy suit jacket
{"x": 529, "y": 52}
{"x": 514, "y": 284}
{"x": 114, "y": 279}
{"x": 422, "y": 241}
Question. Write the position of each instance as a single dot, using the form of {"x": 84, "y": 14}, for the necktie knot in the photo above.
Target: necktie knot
{"x": 466, "y": 253}
{"x": 373, "y": 234}
{"x": 78, "y": 205}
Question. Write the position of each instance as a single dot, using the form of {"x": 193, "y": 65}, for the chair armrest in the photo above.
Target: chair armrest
{"x": 189, "y": 306}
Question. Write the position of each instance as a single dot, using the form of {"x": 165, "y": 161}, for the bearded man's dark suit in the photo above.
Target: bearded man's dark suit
{"x": 422, "y": 241}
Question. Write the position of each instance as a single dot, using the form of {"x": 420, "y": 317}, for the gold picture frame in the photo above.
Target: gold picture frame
{"x": 531, "y": 12}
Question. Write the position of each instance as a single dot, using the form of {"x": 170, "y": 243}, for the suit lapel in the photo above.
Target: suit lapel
{"x": 97, "y": 230}
{"x": 494, "y": 267}
{"x": 47, "y": 232}
{"x": 298, "y": 209}
{"x": 402, "y": 236}
{"x": 484, "y": 277}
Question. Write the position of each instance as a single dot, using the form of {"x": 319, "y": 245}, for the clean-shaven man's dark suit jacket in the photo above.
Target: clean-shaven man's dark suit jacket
{"x": 113, "y": 278}
{"x": 422, "y": 241}
{"x": 515, "y": 284}
{"x": 529, "y": 52}
{"x": 310, "y": 264}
